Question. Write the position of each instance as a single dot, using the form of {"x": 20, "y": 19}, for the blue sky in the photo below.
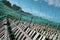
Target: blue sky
{"x": 48, "y": 9}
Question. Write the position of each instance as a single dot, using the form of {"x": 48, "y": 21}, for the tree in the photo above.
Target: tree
{"x": 6, "y": 3}
{"x": 15, "y": 7}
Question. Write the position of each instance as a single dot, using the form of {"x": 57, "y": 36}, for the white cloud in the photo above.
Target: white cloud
{"x": 53, "y": 2}
{"x": 40, "y": 14}
{"x": 35, "y": 0}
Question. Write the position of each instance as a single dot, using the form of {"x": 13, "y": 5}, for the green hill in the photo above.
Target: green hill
{"x": 18, "y": 13}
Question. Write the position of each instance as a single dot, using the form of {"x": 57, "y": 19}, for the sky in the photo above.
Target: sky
{"x": 47, "y": 9}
